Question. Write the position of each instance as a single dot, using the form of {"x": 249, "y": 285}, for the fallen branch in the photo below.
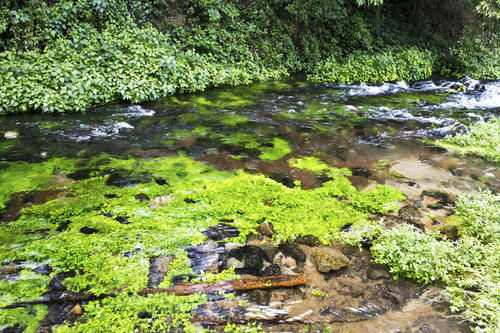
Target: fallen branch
{"x": 245, "y": 283}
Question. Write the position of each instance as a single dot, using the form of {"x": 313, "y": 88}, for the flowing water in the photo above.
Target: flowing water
{"x": 375, "y": 130}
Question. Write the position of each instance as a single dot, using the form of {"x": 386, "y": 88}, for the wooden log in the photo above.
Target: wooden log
{"x": 245, "y": 283}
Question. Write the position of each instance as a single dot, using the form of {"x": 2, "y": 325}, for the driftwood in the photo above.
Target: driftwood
{"x": 245, "y": 283}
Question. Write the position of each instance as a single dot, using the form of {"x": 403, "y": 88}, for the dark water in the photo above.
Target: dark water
{"x": 241, "y": 121}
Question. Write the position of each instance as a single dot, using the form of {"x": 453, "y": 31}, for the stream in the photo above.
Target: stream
{"x": 378, "y": 132}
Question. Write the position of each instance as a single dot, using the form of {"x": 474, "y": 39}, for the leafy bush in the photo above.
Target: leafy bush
{"x": 407, "y": 65}
{"x": 468, "y": 266}
{"x": 478, "y": 55}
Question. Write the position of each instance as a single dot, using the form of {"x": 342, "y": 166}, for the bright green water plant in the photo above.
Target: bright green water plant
{"x": 23, "y": 176}
{"x": 105, "y": 235}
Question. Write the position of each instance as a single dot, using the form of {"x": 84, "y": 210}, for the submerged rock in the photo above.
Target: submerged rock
{"x": 251, "y": 257}
{"x": 161, "y": 201}
{"x": 376, "y": 272}
{"x": 205, "y": 257}
{"x": 327, "y": 259}
{"x": 220, "y": 231}
{"x": 158, "y": 268}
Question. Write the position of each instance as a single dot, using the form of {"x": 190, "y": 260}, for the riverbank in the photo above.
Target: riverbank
{"x": 68, "y": 56}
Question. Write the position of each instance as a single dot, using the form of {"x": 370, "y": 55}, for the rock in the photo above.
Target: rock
{"x": 161, "y": 201}
{"x": 158, "y": 268}
{"x": 327, "y": 259}
{"x": 89, "y": 231}
{"x": 376, "y": 272}
{"x": 233, "y": 262}
{"x": 56, "y": 283}
{"x": 11, "y": 134}
{"x": 11, "y": 268}
{"x": 142, "y": 197}
{"x": 271, "y": 270}
{"x": 205, "y": 257}
{"x": 309, "y": 240}
{"x": 289, "y": 261}
{"x": 231, "y": 246}
{"x": 293, "y": 250}
{"x": 160, "y": 181}
{"x": 393, "y": 297}
{"x": 266, "y": 228}
{"x": 252, "y": 258}
{"x": 270, "y": 251}
{"x": 450, "y": 231}
{"x": 44, "y": 269}
{"x": 221, "y": 231}
{"x": 77, "y": 310}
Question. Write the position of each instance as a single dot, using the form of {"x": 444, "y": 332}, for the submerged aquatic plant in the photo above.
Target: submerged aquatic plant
{"x": 102, "y": 236}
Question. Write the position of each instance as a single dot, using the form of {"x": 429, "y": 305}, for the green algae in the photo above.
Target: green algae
{"x": 113, "y": 256}
{"x": 315, "y": 165}
{"x": 23, "y": 176}
{"x": 27, "y": 317}
{"x": 279, "y": 149}
{"x": 483, "y": 139}
{"x": 219, "y": 100}
{"x": 121, "y": 314}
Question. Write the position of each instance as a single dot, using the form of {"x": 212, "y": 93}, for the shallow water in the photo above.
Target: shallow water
{"x": 374, "y": 130}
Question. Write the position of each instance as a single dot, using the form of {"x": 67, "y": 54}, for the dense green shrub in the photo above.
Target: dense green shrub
{"x": 408, "y": 65}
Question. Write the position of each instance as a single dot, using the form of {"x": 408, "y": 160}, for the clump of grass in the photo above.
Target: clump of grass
{"x": 483, "y": 139}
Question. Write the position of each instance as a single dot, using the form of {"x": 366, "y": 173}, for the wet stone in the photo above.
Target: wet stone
{"x": 44, "y": 269}
{"x": 205, "y": 257}
{"x": 361, "y": 172}
{"x": 252, "y": 257}
{"x": 221, "y": 231}
{"x": 89, "y": 231}
{"x": 80, "y": 174}
{"x": 77, "y": 310}
{"x": 160, "y": 181}
{"x": 326, "y": 259}
{"x": 308, "y": 240}
{"x": 122, "y": 219}
{"x": 158, "y": 268}
{"x": 161, "y": 201}
{"x": 376, "y": 272}
{"x": 266, "y": 229}
{"x": 56, "y": 283}
{"x": 142, "y": 197}
{"x": 293, "y": 250}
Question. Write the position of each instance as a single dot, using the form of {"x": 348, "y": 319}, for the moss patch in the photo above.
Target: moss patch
{"x": 23, "y": 176}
